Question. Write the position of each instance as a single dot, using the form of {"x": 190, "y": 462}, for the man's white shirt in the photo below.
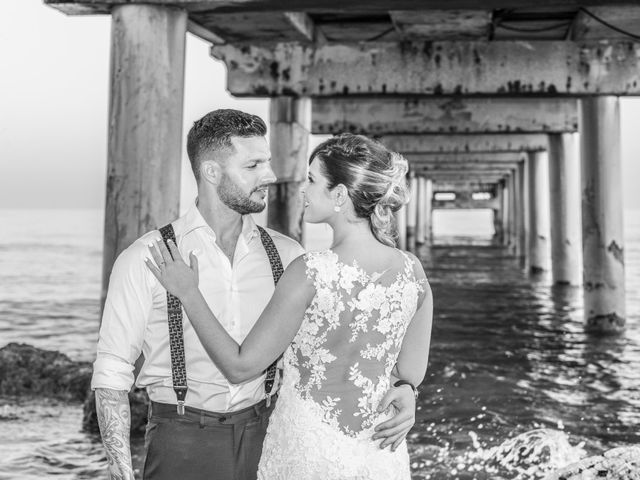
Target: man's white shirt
{"x": 135, "y": 314}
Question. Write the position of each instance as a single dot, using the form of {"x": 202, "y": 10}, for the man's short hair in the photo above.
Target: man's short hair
{"x": 214, "y": 131}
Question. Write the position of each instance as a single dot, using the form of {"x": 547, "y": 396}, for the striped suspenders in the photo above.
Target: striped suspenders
{"x": 176, "y": 336}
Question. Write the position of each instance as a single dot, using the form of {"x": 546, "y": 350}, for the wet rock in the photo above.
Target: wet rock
{"x": 622, "y": 463}
{"x": 29, "y": 371}
{"x": 139, "y": 402}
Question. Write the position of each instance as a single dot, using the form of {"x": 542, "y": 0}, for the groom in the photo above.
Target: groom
{"x": 219, "y": 432}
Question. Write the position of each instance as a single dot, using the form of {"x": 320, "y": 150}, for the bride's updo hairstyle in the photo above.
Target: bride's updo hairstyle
{"x": 375, "y": 179}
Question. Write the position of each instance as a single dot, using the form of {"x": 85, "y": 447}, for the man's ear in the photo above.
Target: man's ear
{"x": 210, "y": 171}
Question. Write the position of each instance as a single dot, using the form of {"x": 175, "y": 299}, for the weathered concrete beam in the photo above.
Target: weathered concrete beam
{"x": 462, "y": 185}
{"x": 479, "y": 158}
{"x": 461, "y": 143}
{"x": 625, "y": 17}
{"x": 460, "y": 166}
{"x": 492, "y": 204}
{"x": 442, "y": 24}
{"x": 494, "y": 172}
{"x": 323, "y": 6}
{"x": 509, "y": 68}
{"x": 421, "y": 115}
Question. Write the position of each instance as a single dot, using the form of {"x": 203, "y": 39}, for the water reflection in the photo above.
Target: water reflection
{"x": 515, "y": 386}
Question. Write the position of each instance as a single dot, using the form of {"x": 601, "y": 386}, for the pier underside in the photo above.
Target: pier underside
{"x": 490, "y": 97}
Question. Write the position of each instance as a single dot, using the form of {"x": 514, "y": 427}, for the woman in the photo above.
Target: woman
{"x": 348, "y": 318}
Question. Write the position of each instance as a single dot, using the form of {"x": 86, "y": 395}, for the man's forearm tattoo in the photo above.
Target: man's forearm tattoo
{"x": 114, "y": 419}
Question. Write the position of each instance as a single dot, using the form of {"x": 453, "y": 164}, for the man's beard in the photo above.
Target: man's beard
{"x": 234, "y": 198}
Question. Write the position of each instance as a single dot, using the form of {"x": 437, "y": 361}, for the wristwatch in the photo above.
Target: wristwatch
{"x": 406, "y": 382}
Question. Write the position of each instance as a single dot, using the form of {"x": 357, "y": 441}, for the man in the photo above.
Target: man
{"x": 219, "y": 433}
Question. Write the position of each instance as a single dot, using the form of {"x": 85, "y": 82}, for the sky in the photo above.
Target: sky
{"x": 54, "y": 73}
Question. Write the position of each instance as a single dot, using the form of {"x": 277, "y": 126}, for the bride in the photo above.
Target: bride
{"x": 347, "y": 319}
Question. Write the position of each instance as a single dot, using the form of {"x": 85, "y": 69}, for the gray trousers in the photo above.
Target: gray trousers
{"x": 202, "y": 445}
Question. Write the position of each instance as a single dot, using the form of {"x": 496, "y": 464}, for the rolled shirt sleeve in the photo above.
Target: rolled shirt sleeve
{"x": 127, "y": 310}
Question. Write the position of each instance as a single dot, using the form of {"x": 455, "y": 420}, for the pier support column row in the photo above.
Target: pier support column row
{"x": 290, "y": 122}
{"x": 512, "y": 232}
{"x": 412, "y": 213}
{"x": 564, "y": 193}
{"x": 538, "y": 183}
{"x": 145, "y": 125}
{"x": 522, "y": 214}
{"x": 602, "y": 222}
{"x": 421, "y": 222}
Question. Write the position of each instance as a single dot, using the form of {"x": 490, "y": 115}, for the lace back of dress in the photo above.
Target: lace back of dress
{"x": 350, "y": 338}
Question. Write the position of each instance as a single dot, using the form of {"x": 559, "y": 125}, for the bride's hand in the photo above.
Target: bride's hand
{"x": 171, "y": 271}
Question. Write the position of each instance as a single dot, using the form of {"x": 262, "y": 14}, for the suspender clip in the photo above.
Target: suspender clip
{"x": 181, "y": 394}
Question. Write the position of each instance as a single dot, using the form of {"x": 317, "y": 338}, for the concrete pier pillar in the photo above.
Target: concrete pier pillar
{"x": 602, "y": 223}
{"x": 412, "y": 213}
{"x": 539, "y": 247}
{"x": 522, "y": 211}
{"x": 145, "y": 124}
{"x": 290, "y": 123}
{"x": 498, "y": 217}
{"x": 401, "y": 225}
{"x": 511, "y": 189}
{"x": 566, "y": 224}
{"x": 428, "y": 211}
{"x": 504, "y": 206}
{"x": 421, "y": 210}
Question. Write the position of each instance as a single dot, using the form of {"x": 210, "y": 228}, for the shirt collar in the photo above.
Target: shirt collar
{"x": 194, "y": 220}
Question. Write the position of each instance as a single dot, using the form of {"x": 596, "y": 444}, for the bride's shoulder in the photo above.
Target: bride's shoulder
{"x": 320, "y": 256}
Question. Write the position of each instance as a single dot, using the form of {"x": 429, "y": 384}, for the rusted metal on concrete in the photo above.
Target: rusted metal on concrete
{"x": 289, "y": 140}
{"x": 564, "y": 190}
{"x": 145, "y": 125}
{"x": 465, "y": 143}
{"x": 508, "y": 68}
{"x": 602, "y": 224}
{"x": 431, "y": 115}
{"x": 539, "y": 226}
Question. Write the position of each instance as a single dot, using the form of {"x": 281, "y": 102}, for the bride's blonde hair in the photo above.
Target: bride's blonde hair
{"x": 375, "y": 179}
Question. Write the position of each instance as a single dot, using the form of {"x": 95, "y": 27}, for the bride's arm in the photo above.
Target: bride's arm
{"x": 413, "y": 358}
{"x": 269, "y": 337}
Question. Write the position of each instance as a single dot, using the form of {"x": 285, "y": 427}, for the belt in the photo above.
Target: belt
{"x": 206, "y": 417}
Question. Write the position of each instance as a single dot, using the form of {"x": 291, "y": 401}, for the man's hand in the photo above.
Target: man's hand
{"x": 394, "y": 430}
{"x": 114, "y": 419}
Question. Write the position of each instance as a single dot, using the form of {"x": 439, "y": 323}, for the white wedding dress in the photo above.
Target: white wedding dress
{"x": 336, "y": 371}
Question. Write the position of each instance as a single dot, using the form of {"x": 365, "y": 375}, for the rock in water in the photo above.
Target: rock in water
{"x": 29, "y": 371}
{"x": 622, "y": 463}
